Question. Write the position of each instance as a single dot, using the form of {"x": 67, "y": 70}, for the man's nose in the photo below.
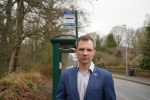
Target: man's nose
{"x": 85, "y": 52}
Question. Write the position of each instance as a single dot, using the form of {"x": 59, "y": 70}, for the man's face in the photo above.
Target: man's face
{"x": 85, "y": 52}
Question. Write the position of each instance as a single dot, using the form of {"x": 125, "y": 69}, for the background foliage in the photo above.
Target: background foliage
{"x": 26, "y": 27}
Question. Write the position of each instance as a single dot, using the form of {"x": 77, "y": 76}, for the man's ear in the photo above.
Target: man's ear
{"x": 94, "y": 52}
{"x": 75, "y": 50}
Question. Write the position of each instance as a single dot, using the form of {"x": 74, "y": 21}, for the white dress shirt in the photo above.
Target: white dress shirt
{"x": 83, "y": 80}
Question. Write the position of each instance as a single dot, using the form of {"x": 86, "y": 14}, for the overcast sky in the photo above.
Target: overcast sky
{"x": 106, "y": 14}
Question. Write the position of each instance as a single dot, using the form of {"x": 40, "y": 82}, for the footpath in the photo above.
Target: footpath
{"x": 141, "y": 80}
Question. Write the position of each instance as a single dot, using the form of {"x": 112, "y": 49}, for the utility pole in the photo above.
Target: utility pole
{"x": 126, "y": 52}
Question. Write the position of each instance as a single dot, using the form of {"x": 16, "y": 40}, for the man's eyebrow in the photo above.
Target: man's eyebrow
{"x": 81, "y": 48}
{"x": 89, "y": 49}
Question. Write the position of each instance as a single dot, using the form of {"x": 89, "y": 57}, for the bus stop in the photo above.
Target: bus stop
{"x": 61, "y": 44}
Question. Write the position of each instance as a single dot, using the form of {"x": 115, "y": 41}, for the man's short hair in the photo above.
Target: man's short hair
{"x": 85, "y": 38}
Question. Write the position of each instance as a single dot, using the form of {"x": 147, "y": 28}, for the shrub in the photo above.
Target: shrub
{"x": 135, "y": 62}
{"x": 145, "y": 64}
{"x": 47, "y": 70}
{"x": 30, "y": 84}
{"x": 100, "y": 64}
{"x": 121, "y": 66}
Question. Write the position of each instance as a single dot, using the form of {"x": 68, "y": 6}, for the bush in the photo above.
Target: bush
{"x": 30, "y": 84}
{"x": 100, "y": 64}
{"x": 145, "y": 64}
{"x": 135, "y": 62}
{"x": 121, "y": 66}
{"x": 47, "y": 70}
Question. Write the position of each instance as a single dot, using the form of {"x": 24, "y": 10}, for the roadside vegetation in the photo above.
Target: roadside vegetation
{"x": 25, "y": 86}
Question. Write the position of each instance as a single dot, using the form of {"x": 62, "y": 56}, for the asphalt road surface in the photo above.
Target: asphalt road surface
{"x": 127, "y": 90}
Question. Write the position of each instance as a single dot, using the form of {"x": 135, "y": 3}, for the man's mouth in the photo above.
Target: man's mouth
{"x": 84, "y": 58}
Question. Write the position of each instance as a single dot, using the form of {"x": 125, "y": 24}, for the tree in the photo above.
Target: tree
{"x": 138, "y": 39}
{"x": 111, "y": 43}
{"x": 145, "y": 64}
{"x": 98, "y": 41}
{"x": 118, "y": 33}
{"x": 130, "y": 35}
{"x": 94, "y": 35}
{"x": 98, "y": 56}
{"x": 38, "y": 20}
{"x": 98, "y": 47}
{"x": 147, "y": 20}
{"x": 6, "y": 33}
{"x": 119, "y": 52}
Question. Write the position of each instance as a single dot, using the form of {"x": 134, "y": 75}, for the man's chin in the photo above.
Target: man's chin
{"x": 85, "y": 62}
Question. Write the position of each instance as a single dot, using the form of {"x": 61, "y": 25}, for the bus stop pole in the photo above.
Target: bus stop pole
{"x": 76, "y": 15}
{"x": 56, "y": 70}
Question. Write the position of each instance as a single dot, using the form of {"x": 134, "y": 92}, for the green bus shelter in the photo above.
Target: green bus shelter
{"x": 61, "y": 44}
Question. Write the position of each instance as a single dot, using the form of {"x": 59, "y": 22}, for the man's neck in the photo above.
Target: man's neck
{"x": 84, "y": 67}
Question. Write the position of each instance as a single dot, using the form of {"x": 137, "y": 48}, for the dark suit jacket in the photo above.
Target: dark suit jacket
{"x": 100, "y": 85}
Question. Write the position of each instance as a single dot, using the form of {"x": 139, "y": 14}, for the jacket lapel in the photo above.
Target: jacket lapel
{"x": 91, "y": 82}
{"x": 74, "y": 82}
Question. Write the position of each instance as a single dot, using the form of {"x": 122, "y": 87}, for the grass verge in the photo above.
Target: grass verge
{"x": 24, "y": 86}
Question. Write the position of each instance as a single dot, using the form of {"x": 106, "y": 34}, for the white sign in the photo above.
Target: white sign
{"x": 69, "y": 19}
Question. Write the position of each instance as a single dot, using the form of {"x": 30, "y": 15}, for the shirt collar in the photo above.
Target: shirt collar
{"x": 91, "y": 68}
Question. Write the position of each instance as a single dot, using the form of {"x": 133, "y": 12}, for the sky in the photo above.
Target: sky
{"x": 106, "y": 14}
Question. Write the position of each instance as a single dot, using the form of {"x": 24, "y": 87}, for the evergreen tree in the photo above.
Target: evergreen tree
{"x": 98, "y": 47}
{"x": 145, "y": 64}
{"x": 111, "y": 43}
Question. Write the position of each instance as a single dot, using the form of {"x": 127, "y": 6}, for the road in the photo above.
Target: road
{"x": 127, "y": 90}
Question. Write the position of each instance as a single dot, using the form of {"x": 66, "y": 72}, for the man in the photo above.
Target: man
{"x": 85, "y": 81}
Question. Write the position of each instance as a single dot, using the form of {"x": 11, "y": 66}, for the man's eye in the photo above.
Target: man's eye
{"x": 81, "y": 49}
{"x": 89, "y": 50}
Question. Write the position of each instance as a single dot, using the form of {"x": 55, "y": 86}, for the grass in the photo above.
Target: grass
{"x": 15, "y": 86}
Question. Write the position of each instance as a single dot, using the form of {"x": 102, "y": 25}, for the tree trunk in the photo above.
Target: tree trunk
{"x": 9, "y": 28}
{"x": 18, "y": 38}
{"x": 12, "y": 61}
